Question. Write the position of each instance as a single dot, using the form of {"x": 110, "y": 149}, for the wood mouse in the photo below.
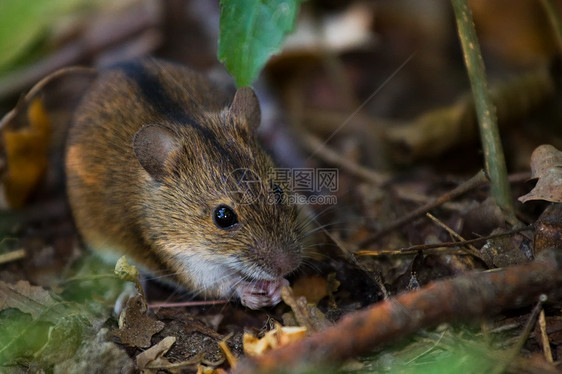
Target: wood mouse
{"x": 164, "y": 167}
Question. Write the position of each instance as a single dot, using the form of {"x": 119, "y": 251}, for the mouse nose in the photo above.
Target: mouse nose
{"x": 284, "y": 261}
{"x": 278, "y": 260}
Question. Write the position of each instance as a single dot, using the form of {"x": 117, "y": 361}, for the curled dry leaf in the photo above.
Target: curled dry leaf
{"x": 546, "y": 165}
{"x": 272, "y": 339}
{"x": 153, "y": 358}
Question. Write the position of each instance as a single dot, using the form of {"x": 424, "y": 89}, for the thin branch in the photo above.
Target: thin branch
{"x": 319, "y": 149}
{"x": 422, "y": 247}
{"x": 158, "y": 305}
{"x": 12, "y": 256}
{"x": 544, "y": 338}
{"x": 514, "y": 351}
{"x": 468, "y": 248}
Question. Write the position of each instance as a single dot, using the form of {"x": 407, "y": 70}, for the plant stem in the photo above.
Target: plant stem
{"x": 485, "y": 111}
{"x": 554, "y": 19}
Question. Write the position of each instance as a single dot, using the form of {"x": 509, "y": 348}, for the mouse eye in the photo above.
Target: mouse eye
{"x": 278, "y": 192}
{"x": 224, "y": 217}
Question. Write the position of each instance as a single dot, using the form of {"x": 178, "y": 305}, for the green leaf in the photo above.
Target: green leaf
{"x": 251, "y": 31}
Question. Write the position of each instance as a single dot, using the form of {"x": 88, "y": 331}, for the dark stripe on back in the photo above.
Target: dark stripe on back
{"x": 155, "y": 95}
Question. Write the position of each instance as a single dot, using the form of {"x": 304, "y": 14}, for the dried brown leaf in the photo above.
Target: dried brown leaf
{"x": 152, "y": 360}
{"x": 25, "y": 297}
{"x": 136, "y": 327}
{"x": 546, "y": 165}
{"x": 154, "y": 356}
{"x": 26, "y": 155}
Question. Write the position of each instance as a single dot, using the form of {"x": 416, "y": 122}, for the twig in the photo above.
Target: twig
{"x": 479, "y": 179}
{"x": 39, "y": 86}
{"x": 467, "y": 297}
{"x": 519, "y": 177}
{"x": 415, "y": 197}
{"x": 421, "y": 247}
{"x": 187, "y": 303}
{"x": 319, "y": 149}
{"x": 468, "y": 248}
{"x": 544, "y": 338}
{"x": 485, "y": 111}
{"x": 434, "y": 345}
{"x": 514, "y": 351}
{"x": 12, "y": 256}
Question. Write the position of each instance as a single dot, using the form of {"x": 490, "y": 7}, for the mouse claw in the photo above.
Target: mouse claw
{"x": 259, "y": 294}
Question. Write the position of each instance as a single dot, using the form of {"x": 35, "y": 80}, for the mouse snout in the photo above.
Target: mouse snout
{"x": 284, "y": 261}
{"x": 277, "y": 259}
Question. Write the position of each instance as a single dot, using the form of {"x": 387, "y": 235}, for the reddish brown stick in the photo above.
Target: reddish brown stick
{"x": 471, "y": 296}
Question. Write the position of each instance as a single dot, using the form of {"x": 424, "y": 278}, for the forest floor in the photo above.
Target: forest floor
{"x": 411, "y": 266}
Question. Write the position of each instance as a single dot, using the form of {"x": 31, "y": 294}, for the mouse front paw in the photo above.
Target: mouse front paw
{"x": 261, "y": 293}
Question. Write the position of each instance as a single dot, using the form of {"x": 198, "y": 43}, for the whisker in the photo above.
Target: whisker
{"x": 311, "y": 266}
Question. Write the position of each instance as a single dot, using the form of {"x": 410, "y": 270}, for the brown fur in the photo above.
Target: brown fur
{"x": 155, "y": 203}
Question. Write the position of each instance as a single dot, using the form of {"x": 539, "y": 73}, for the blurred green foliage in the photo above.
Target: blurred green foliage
{"x": 24, "y": 24}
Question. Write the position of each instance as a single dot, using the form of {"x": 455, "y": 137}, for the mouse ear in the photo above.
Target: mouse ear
{"x": 152, "y": 145}
{"x": 246, "y": 105}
